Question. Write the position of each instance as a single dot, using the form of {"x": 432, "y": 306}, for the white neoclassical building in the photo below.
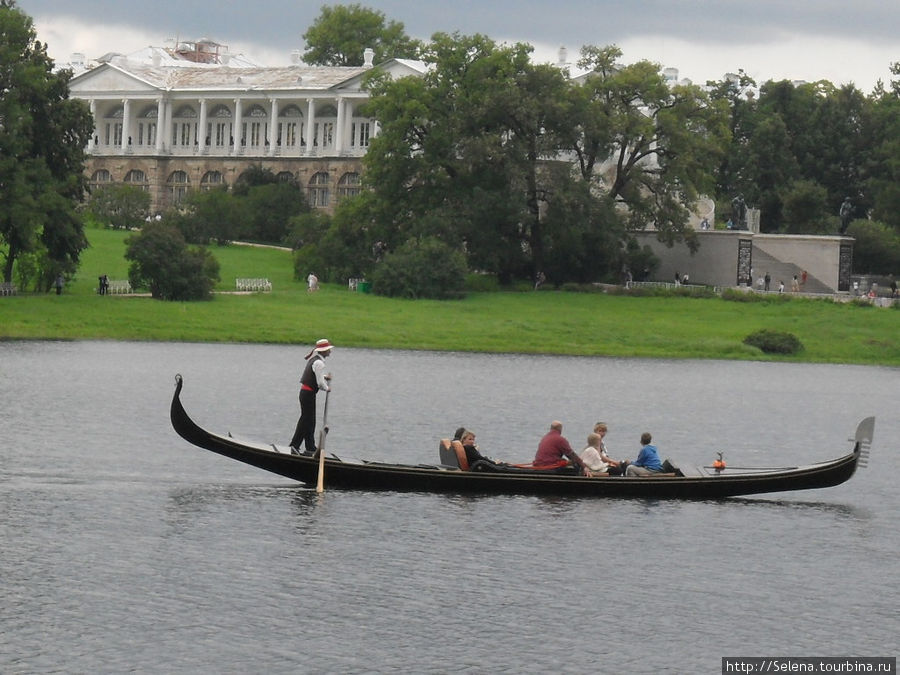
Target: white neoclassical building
{"x": 191, "y": 117}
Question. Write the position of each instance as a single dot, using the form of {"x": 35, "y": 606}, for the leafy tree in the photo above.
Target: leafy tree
{"x": 305, "y": 237}
{"x": 208, "y": 216}
{"x": 877, "y": 247}
{"x": 42, "y": 138}
{"x": 733, "y": 175}
{"x": 340, "y": 35}
{"x": 471, "y": 153}
{"x": 641, "y": 261}
{"x": 804, "y": 208}
{"x": 462, "y": 153}
{"x": 259, "y": 208}
{"x": 267, "y": 210}
{"x": 813, "y": 132}
{"x": 882, "y": 170}
{"x": 254, "y": 176}
{"x": 652, "y": 147}
{"x": 120, "y": 206}
{"x": 162, "y": 261}
{"x": 770, "y": 165}
{"x": 584, "y": 241}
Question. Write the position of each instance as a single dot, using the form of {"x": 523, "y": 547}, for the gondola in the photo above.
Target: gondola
{"x": 446, "y": 476}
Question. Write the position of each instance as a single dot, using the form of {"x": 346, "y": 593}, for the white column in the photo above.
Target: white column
{"x": 166, "y": 126}
{"x": 339, "y": 132}
{"x": 273, "y": 127}
{"x": 160, "y": 124}
{"x": 91, "y": 144}
{"x": 126, "y": 123}
{"x": 201, "y": 131}
{"x": 238, "y": 121}
{"x": 310, "y": 125}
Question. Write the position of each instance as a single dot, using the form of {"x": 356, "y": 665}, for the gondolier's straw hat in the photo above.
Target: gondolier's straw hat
{"x": 322, "y": 345}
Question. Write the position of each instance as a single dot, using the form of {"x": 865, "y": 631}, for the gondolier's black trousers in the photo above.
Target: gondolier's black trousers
{"x": 305, "y": 433}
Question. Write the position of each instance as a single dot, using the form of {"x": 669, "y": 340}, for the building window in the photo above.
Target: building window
{"x": 112, "y": 128}
{"x": 286, "y": 177}
{"x": 317, "y": 192}
{"x": 211, "y": 180}
{"x": 359, "y": 134}
{"x": 220, "y": 128}
{"x": 257, "y": 127}
{"x": 137, "y": 178}
{"x": 290, "y": 127}
{"x": 178, "y": 186}
{"x": 348, "y": 185}
{"x": 184, "y": 127}
{"x": 323, "y": 132}
{"x": 100, "y": 178}
{"x": 146, "y": 126}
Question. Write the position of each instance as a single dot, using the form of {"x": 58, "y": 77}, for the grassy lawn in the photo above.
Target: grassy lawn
{"x": 527, "y": 322}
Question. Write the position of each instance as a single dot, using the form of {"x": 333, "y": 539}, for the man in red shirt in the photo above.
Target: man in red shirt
{"x": 553, "y": 447}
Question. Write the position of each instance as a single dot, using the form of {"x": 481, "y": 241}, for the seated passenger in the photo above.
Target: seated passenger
{"x": 614, "y": 468}
{"x": 467, "y": 438}
{"x": 648, "y": 462}
{"x": 553, "y": 447}
{"x": 592, "y": 456}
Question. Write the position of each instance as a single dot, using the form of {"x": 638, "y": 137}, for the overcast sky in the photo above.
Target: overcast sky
{"x": 841, "y": 41}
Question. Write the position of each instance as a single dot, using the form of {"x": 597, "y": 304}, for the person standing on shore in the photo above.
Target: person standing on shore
{"x": 311, "y": 381}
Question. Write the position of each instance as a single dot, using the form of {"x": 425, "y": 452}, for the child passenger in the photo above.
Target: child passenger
{"x": 592, "y": 455}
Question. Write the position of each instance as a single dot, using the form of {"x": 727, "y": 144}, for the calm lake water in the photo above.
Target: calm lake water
{"x": 125, "y": 549}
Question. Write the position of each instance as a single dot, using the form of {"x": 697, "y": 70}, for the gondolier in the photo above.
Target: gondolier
{"x": 311, "y": 381}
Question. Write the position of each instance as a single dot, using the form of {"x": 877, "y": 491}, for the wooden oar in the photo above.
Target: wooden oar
{"x": 320, "y": 483}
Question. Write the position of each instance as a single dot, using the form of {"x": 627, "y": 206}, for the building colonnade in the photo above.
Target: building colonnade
{"x": 241, "y": 126}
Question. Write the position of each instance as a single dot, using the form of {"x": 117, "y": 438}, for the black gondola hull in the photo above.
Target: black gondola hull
{"x": 340, "y": 473}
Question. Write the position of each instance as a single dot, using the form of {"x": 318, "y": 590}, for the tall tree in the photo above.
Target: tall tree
{"x": 821, "y": 138}
{"x": 461, "y": 152}
{"x": 43, "y": 134}
{"x": 733, "y": 176}
{"x": 651, "y": 147}
{"x": 882, "y": 170}
{"x": 340, "y": 35}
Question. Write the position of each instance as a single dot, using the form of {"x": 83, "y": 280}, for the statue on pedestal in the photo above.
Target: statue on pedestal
{"x": 739, "y": 213}
{"x": 845, "y": 213}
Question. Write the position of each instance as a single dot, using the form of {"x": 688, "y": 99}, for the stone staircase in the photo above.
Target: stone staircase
{"x": 782, "y": 271}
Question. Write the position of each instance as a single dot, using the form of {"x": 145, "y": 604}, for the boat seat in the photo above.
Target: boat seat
{"x": 453, "y": 455}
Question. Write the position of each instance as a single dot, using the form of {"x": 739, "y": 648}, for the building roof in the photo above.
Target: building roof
{"x": 228, "y": 77}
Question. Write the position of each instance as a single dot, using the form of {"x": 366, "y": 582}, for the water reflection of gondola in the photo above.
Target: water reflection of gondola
{"x": 447, "y": 477}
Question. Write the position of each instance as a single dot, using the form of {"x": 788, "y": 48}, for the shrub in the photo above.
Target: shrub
{"x": 482, "y": 283}
{"x": 774, "y": 342}
{"x": 734, "y": 295}
{"x": 425, "y": 268}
